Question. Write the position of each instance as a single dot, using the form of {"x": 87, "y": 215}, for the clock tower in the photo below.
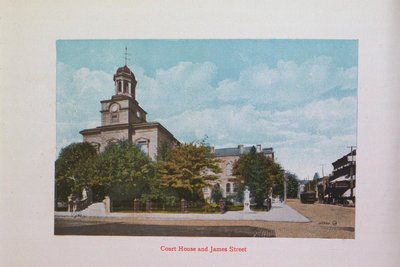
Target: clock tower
{"x": 122, "y": 118}
{"x": 122, "y": 107}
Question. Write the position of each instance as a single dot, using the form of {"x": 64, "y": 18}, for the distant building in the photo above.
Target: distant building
{"x": 227, "y": 181}
{"x": 342, "y": 182}
{"x": 122, "y": 118}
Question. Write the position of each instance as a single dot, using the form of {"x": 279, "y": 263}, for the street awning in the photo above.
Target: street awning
{"x": 341, "y": 178}
{"x": 348, "y": 192}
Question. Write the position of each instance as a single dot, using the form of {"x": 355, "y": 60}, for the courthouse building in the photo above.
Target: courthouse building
{"x": 122, "y": 118}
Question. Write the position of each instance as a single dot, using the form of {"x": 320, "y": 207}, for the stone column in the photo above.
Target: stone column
{"x": 107, "y": 203}
{"x": 70, "y": 208}
{"x": 246, "y": 200}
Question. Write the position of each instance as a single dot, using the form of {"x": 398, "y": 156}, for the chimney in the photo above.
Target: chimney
{"x": 241, "y": 149}
{"x": 258, "y": 148}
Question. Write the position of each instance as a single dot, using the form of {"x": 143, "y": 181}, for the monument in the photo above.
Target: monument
{"x": 246, "y": 200}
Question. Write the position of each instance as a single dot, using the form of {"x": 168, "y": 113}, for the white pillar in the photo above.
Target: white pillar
{"x": 107, "y": 203}
{"x": 69, "y": 203}
{"x": 122, "y": 86}
{"x": 129, "y": 87}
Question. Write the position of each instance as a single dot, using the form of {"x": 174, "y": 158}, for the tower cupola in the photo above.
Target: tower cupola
{"x": 125, "y": 82}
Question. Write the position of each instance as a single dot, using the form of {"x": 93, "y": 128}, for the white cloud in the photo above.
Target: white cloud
{"x": 347, "y": 78}
{"x": 317, "y": 132}
{"x": 78, "y": 100}
{"x": 288, "y": 82}
{"x": 182, "y": 87}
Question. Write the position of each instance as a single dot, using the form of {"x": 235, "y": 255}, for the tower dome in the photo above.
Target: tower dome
{"x": 125, "y": 70}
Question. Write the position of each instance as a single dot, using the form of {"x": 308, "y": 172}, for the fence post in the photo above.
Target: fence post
{"x": 183, "y": 205}
{"x": 222, "y": 205}
{"x": 136, "y": 205}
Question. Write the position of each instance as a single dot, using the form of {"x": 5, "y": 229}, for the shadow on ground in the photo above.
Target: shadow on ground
{"x": 121, "y": 229}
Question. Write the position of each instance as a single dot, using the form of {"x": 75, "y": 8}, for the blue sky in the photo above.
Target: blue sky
{"x": 297, "y": 96}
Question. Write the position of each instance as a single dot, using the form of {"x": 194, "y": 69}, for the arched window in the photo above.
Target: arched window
{"x": 228, "y": 169}
{"x": 234, "y": 188}
{"x": 96, "y": 146}
{"x": 120, "y": 86}
{"x": 126, "y": 84}
{"x": 228, "y": 188}
{"x": 143, "y": 145}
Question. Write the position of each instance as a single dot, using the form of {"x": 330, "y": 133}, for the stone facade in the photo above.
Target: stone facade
{"x": 122, "y": 118}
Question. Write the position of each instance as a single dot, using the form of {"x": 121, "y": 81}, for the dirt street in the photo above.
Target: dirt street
{"x": 327, "y": 221}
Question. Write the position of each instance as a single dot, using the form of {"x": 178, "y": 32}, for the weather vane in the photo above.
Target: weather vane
{"x": 126, "y": 55}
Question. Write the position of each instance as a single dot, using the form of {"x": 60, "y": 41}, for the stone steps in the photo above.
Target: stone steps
{"x": 95, "y": 209}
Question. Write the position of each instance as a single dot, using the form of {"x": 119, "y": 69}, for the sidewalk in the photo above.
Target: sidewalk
{"x": 279, "y": 212}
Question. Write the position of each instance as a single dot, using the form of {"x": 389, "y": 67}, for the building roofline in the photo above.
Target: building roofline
{"x": 154, "y": 124}
{"x": 135, "y": 126}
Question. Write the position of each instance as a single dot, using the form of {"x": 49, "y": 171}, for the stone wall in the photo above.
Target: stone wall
{"x": 105, "y": 137}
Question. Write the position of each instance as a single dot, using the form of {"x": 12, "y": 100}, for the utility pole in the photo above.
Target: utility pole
{"x": 351, "y": 171}
{"x": 285, "y": 179}
{"x": 322, "y": 165}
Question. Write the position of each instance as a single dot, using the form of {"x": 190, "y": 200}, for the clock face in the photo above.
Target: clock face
{"x": 114, "y": 108}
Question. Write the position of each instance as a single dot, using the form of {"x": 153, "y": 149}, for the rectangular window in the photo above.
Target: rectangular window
{"x": 114, "y": 117}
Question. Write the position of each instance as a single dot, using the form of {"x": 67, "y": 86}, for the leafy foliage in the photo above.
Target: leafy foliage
{"x": 164, "y": 151}
{"x": 189, "y": 169}
{"x": 259, "y": 173}
{"x": 74, "y": 168}
{"x": 216, "y": 193}
{"x": 123, "y": 172}
{"x": 292, "y": 185}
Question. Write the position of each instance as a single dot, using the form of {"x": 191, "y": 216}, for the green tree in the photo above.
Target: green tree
{"x": 292, "y": 185}
{"x": 216, "y": 193}
{"x": 164, "y": 151}
{"x": 189, "y": 169}
{"x": 124, "y": 173}
{"x": 259, "y": 173}
{"x": 74, "y": 169}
